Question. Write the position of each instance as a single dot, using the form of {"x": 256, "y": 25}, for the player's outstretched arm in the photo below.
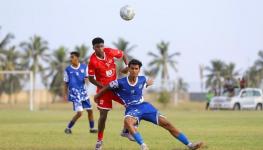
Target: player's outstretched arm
{"x": 125, "y": 60}
{"x": 95, "y": 82}
{"x": 101, "y": 92}
{"x": 149, "y": 82}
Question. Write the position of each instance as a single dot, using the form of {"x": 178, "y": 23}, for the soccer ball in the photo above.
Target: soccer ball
{"x": 127, "y": 13}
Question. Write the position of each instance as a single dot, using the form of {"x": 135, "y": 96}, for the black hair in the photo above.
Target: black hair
{"x": 135, "y": 62}
{"x": 97, "y": 40}
{"x": 75, "y": 53}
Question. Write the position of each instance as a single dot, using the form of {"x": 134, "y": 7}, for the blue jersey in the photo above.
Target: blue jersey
{"x": 75, "y": 79}
{"x": 130, "y": 94}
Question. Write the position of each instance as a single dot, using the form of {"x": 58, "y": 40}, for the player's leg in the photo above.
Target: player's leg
{"x": 78, "y": 109}
{"x": 163, "y": 122}
{"x": 101, "y": 127}
{"x": 87, "y": 106}
{"x": 125, "y": 131}
{"x": 130, "y": 123}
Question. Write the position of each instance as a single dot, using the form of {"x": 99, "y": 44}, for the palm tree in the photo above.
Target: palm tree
{"x": 34, "y": 56}
{"x": 35, "y": 53}
{"x": 182, "y": 85}
{"x": 259, "y": 62}
{"x": 123, "y": 45}
{"x": 11, "y": 83}
{"x": 83, "y": 51}
{"x": 254, "y": 76}
{"x": 229, "y": 71}
{"x": 57, "y": 64}
{"x": 160, "y": 63}
{"x": 215, "y": 75}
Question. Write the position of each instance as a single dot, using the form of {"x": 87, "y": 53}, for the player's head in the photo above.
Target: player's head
{"x": 98, "y": 44}
{"x": 134, "y": 67}
{"x": 74, "y": 58}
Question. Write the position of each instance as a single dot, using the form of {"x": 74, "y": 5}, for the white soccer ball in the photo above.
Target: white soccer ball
{"x": 127, "y": 12}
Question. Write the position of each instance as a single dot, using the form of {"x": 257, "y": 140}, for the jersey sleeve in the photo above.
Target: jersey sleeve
{"x": 66, "y": 79}
{"x": 86, "y": 72}
{"x": 116, "y": 53}
{"x": 144, "y": 81}
{"x": 114, "y": 84}
{"x": 91, "y": 69}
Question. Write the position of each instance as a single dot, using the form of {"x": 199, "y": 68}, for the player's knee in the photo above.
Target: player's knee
{"x": 128, "y": 121}
{"x": 79, "y": 114}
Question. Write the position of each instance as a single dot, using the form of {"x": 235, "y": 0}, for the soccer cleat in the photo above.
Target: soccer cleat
{"x": 195, "y": 146}
{"x": 144, "y": 147}
{"x": 127, "y": 135}
{"x": 98, "y": 145}
{"x": 93, "y": 130}
{"x": 68, "y": 131}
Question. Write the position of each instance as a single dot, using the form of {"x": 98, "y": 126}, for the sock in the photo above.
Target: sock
{"x": 181, "y": 137}
{"x": 100, "y": 136}
{"x": 71, "y": 124}
{"x": 91, "y": 124}
{"x": 138, "y": 138}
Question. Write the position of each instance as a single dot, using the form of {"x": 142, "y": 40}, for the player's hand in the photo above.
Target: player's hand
{"x": 65, "y": 98}
{"x": 125, "y": 70}
{"x": 96, "y": 98}
{"x": 149, "y": 82}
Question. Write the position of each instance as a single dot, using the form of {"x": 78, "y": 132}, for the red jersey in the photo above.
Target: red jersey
{"x": 104, "y": 69}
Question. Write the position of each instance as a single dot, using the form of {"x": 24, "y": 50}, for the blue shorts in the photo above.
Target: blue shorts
{"x": 144, "y": 111}
{"x": 80, "y": 106}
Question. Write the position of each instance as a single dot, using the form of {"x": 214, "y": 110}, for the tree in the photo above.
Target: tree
{"x": 161, "y": 62}
{"x": 182, "y": 86}
{"x": 123, "y": 45}
{"x": 218, "y": 72}
{"x": 11, "y": 83}
{"x": 35, "y": 53}
{"x": 56, "y": 68}
{"x": 230, "y": 71}
{"x": 83, "y": 51}
{"x": 215, "y": 74}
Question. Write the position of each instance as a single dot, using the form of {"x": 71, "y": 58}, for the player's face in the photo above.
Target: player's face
{"x": 98, "y": 48}
{"x": 134, "y": 70}
{"x": 74, "y": 60}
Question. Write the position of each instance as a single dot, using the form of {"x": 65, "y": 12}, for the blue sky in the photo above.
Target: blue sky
{"x": 201, "y": 30}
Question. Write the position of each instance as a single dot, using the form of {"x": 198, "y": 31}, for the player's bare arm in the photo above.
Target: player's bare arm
{"x": 125, "y": 60}
{"x": 65, "y": 91}
{"x": 101, "y": 92}
{"x": 95, "y": 82}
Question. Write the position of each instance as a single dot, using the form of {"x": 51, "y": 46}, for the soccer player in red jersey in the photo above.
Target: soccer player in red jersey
{"x": 102, "y": 70}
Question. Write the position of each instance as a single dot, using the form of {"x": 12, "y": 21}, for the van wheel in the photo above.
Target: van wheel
{"x": 236, "y": 107}
{"x": 259, "y": 107}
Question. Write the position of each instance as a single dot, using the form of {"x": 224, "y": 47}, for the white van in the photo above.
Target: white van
{"x": 249, "y": 98}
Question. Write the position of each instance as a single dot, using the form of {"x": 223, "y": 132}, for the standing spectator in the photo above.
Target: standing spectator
{"x": 209, "y": 96}
{"x": 242, "y": 83}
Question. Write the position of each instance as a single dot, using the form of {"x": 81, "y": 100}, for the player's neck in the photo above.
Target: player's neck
{"x": 75, "y": 65}
{"x": 132, "y": 79}
{"x": 100, "y": 55}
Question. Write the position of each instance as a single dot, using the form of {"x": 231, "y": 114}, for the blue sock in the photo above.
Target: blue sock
{"x": 91, "y": 124}
{"x": 181, "y": 137}
{"x": 138, "y": 138}
{"x": 71, "y": 124}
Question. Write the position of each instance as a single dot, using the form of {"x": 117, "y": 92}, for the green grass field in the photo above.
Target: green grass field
{"x": 43, "y": 130}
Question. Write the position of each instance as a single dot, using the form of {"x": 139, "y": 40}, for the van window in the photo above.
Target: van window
{"x": 256, "y": 93}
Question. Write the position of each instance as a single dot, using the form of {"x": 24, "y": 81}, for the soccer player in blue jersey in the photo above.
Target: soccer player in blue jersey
{"x": 76, "y": 91}
{"x": 129, "y": 89}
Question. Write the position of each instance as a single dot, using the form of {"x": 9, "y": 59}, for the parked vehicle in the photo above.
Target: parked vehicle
{"x": 248, "y": 98}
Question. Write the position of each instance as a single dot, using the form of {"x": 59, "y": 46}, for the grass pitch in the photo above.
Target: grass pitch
{"x": 44, "y": 130}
